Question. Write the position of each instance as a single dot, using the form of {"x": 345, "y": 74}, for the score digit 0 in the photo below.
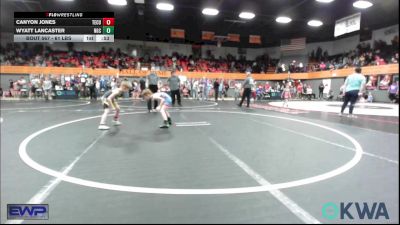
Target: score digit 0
{"x": 108, "y": 21}
{"x": 108, "y": 30}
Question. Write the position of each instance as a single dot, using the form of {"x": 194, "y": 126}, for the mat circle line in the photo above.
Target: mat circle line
{"x": 179, "y": 191}
{"x": 47, "y": 107}
{"x": 183, "y": 107}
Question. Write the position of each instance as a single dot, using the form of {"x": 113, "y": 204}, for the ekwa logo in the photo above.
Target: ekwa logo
{"x": 363, "y": 210}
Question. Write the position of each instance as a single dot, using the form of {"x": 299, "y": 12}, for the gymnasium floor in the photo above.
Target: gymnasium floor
{"x": 217, "y": 164}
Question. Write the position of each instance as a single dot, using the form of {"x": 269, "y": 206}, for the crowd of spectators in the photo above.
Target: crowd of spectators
{"x": 35, "y": 85}
{"x": 15, "y": 54}
{"x": 364, "y": 55}
{"x": 293, "y": 67}
{"x": 21, "y": 55}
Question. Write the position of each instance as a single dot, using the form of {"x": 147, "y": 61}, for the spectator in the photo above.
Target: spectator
{"x": 326, "y": 90}
{"x": 299, "y": 90}
{"x": 221, "y": 89}
{"x": 205, "y": 89}
{"x": 395, "y": 59}
{"x": 238, "y": 87}
{"x": 267, "y": 87}
{"x": 394, "y": 92}
{"x": 97, "y": 87}
{"x": 195, "y": 89}
{"x": 142, "y": 84}
{"x": 209, "y": 88}
{"x": 321, "y": 90}
{"x": 304, "y": 91}
{"x": 216, "y": 89}
{"x": 310, "y": 92}
{"x": 283, "y": 67}
{"x": 136, "y": 89}
{"x": 11, "y": 88}
{"x": 384, "y": 84}
{"x": 330, "y": 96}
{"x": 34, "y": 86}
{"x": 370, "y": 98}
{"x": 277, "y": 87}
{"x": 226, "y": 88}
{"x": 292, "y": 66}
{"x": 188, "y": 85}
{"x": 47, "y": 88}
{"x": 301, "y": 67}
{"x": 322, "y": 66}
{"x": 113, "y": 83}
{"x": 91, "y": 85}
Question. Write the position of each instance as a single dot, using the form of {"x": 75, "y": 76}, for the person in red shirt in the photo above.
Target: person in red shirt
{"x": 299, "y": 90}
{"x": 267, "y": 87}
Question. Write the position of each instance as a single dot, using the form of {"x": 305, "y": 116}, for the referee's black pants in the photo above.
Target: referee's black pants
{"x": 350, "y": 96}
{"x": 246, "y": 94}
{"x": 177, "y": 94}
{"x": 92, "y": 91}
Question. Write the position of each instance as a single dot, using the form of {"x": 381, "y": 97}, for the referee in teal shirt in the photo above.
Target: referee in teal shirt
{"x": 354, "y": 86}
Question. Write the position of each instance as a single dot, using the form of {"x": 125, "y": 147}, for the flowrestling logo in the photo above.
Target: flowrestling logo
{"x": 27, "y": 212}
{"x": 355, "y": 210}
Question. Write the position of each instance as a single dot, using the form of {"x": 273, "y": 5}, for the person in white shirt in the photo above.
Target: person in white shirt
{"x": 238, "y": 87}
{"x": 34, "y": 86}
{"x": 301, "y": 67}
{"x": 195, "y": 90}
{"x": 370, "y": 98}
{"x": 309, "y": 92}
{"x": 47, "y": 88}
{"x": 22, "y": 87}
{"x": 113, "y": 83}
{"x": 97, "y": 87}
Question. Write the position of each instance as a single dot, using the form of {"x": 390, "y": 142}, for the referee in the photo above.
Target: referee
{"x": 174, "y": 84}
{"x": 354, "y": 86}
{"x": 247, "y": 85}
{"x": 152, "y": 80}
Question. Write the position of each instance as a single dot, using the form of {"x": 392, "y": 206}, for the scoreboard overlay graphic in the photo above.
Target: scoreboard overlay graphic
{"x": 64, "y": 26}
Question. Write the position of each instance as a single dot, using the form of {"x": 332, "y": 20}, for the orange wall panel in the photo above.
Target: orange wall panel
{"x": 369, "y": 70}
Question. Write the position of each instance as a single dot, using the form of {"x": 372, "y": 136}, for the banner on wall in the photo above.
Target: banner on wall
{"x": 177, "y": 33}
{"x": 255, "y": 39}
{"x": 234, "y": 37}
{"x": 386, "y": 34}
{"x": 207, "y": 35}
{"x": 348, "y": 24}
